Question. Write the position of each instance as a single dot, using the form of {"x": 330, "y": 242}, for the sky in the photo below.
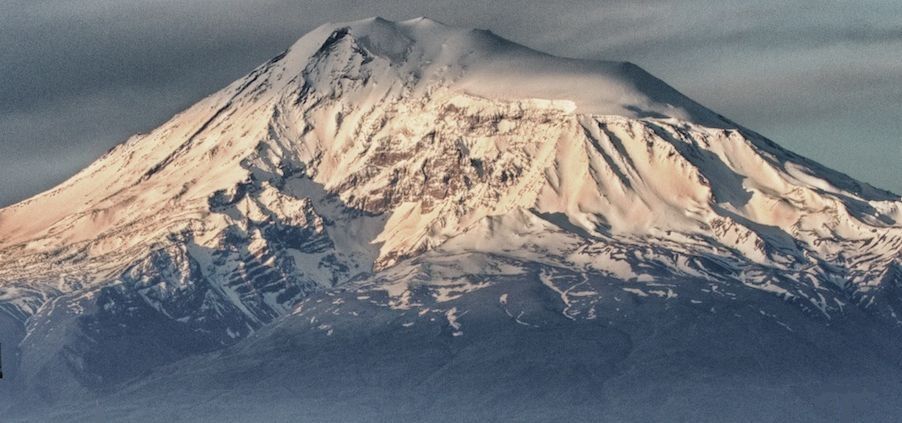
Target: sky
{"x": 822, "y": 78}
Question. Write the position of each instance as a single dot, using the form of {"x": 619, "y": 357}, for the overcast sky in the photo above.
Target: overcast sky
{"x": 822, "y": 78}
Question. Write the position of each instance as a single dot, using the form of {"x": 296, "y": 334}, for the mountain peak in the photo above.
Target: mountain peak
{"x": 415, "y": 190}
{"x": 487, "y": 65}
{"x": 371, "y": 143}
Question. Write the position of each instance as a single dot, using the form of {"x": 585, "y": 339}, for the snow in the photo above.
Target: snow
{"x": 636, "y": 291}
{"x": 406, "y": 156}
{"x": 452, "y": 317}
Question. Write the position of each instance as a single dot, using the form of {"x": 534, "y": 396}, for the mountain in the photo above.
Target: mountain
{"x": 407, "y": 220}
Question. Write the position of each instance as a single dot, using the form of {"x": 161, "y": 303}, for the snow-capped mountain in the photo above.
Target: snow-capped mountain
{"x": 406, "y": 175}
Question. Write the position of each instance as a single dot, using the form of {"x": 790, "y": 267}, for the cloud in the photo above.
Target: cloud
{"x": 79, "y": 77}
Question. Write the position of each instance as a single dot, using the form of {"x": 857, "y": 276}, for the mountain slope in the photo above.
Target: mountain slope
{"x": 414, "y": 167}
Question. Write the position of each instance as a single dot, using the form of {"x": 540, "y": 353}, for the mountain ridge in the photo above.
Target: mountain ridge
{"x": 378, "y": 49}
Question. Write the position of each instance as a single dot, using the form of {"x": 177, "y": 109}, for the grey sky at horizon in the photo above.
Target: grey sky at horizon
{"x": 823, "y": 79}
